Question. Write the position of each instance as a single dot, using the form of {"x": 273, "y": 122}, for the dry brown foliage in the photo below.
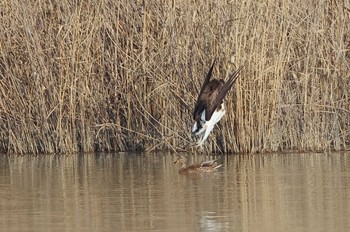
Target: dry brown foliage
{"x": 124, "y": 75}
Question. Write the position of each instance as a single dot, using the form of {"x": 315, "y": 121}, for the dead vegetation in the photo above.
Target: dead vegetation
{"x": 124, "y": 75}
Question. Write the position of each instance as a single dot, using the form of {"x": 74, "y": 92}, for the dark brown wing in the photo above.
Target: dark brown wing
{"x": 208, "y": 93}
{"x": 207, "y": 79}
{"x": 220, "y": 94}
{"x": 199, "y": 105}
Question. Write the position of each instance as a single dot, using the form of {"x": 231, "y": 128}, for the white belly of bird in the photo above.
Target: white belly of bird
{"x": 209, "y": 125}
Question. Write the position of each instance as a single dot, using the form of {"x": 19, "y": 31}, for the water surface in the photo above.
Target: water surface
{"x": 145, "y": 192}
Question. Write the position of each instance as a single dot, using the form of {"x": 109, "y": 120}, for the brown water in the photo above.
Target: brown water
{"x": 129, "y": 192}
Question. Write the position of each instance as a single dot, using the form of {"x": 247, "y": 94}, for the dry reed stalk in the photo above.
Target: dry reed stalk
{"x": 124, "y": 75}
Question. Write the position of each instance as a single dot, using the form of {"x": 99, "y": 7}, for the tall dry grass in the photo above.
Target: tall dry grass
{"x": 124, "y": 75}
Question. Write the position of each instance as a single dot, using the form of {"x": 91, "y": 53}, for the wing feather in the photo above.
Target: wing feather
{"x": 200, "y": 105}
{"x": 220, "y": 94}
{"x": 207, "y": 79}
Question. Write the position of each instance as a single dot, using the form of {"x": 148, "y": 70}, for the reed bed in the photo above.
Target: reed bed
{"x": 79, "y": 76}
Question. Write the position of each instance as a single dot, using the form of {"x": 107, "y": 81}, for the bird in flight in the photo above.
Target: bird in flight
{"x": 210, "y": 108}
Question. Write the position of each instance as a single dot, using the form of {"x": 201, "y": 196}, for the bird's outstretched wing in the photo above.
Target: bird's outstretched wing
{"x": 199, "y": 104}
{"x": 207, "y": 79}
{"x": 221, "y": 93}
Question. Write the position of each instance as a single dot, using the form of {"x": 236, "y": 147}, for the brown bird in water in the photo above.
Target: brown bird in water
{"x": 210, "y": 108}
{"x": 206, "y": 166}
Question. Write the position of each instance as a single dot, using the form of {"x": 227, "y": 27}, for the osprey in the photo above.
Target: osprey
{"x": 209, "y": 108}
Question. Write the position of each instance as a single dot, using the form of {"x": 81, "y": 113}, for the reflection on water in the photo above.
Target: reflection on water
{"x": 133, "y": 192}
